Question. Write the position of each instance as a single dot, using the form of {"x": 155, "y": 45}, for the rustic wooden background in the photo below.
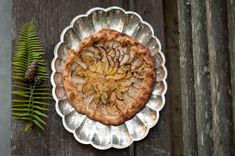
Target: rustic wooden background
{"x": 198, "y": 39}
{"x": 206, "y": 47}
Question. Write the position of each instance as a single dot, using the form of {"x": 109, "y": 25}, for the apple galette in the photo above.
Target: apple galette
{"x": 109, "y": 77}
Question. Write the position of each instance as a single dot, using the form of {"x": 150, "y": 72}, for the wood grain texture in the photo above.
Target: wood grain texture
{"x": 220, "y": 77}
{"x": 51, "y": 18}
{"x": 173, "y": 79}
{"x": 201, "y": 77}
{"x": 187, "y": 79}
{"x": 158, "y": 140}
{"x": 231, "y": 32}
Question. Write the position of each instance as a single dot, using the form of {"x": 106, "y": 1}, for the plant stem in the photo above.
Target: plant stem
{"x": 28, "y": 126}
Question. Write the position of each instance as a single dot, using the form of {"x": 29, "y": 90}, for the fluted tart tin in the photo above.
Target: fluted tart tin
{"x": 85, "y": 130}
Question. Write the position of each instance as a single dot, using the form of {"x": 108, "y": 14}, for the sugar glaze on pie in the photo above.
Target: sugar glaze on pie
{"x": 109, "y": 77}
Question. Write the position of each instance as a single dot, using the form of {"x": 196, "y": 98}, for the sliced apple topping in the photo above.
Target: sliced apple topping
{"x": 100, "y": 44}
{"x": 103, "y": 52}
{"x": 124, "y": 69}
{"x": 75, "y": 69}
{"x": 105, "y": 64}
{"x": 125, "y": 59}
{"x": 132, "y": 79}
{"x": 121, "y": 54}
{"x": 117, "y": 76}
{"x": 111, "y": 109}
{"x": 113, "y": 71}
{"x": 123, "y": 89}
{"x": 108, "y": 45}
{"x": 126, "y": 83}
{"x": 111, "y": 64}
{"x": 92, "y": 67}
{"x": 112, "y": 52}
{"x": 95, "y": 50}
{"x": 79, "y": 61}
{"x": 88, "y": 99}
{"x": 86, "y": 87}
{"x": 119, "y": 95}
{"x": 104, "y": 97}
{"x": 112, "y": 97}
{"x": 139, "y": 74}
{"x": 99, "y": 68}
{"x": 120, "y": 105}
{"x": 103, "y": 109}
{"x": 136, "y": 63}
{"x": 142, "y": 66}
{"x": 132, "y": 92}
{"x": 116, "y": 44}
{"x": 117, "y": 54}
{"x": 86, "y": 102}
{"x": 73, "y": 66}
{"x": 125, "y": 49}
{"x": 121, "y": 71}
{"x": 128, "y": 75}
{"x": 79, "y": 87}
{"x": 90, "y": 92}
{"x": 132, "y": 56}
{"x": 93, "y": 106}
{"x": 90, "y": 55}
{"x": 108, "y": 77}
{"x": 78, "y": 79}
{"x": 138, "y": 84}
{"x": 127, "y": 100}
{"x": 87, "y": 56}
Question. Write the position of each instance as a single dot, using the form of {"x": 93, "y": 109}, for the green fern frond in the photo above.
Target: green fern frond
{"x": 28, "y": 104}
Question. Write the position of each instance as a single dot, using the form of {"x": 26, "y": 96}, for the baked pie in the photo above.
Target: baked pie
{"x": 109, "y": 77}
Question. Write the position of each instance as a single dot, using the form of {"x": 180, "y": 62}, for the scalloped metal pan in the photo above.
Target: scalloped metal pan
{"x": 85, "y": 130}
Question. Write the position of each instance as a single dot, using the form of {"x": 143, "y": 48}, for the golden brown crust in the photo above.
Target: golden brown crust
{"x": 125, "y": 94}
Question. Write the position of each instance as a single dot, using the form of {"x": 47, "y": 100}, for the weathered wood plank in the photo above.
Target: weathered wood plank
{"x": 173, "y": 79}
{"x": 231, "y": 32}
{"x": 51, "y": 18}
{"x": 158, "y": 140}
{"x": 187, "y": 79}
{"x": 201, "y": 77}
{"x": 220, "y": 77}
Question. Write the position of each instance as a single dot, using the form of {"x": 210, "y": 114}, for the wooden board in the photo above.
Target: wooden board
{"x": 206, "y": 62}
{"x": 187, "y": 79}
{"x": 201, "y": 77}
{"x": 220, "y": 83}
{"x": 51, "y": 18}
{"x": 231, "y": 32}
{"x": 173, "y": 79}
